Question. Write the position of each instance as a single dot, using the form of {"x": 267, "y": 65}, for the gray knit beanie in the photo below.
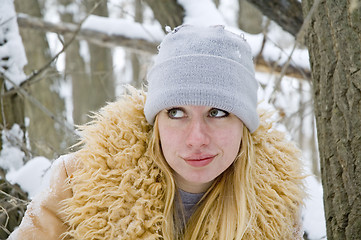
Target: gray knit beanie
{"x": 206, "y": 66}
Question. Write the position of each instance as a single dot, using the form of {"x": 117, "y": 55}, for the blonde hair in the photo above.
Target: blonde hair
{"x": 225, "y": 211}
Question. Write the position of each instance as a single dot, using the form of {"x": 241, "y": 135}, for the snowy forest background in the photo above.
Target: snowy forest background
{"x": 69, "y": 57}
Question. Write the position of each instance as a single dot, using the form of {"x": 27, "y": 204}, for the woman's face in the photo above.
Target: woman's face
{"x": 198, "y": 143}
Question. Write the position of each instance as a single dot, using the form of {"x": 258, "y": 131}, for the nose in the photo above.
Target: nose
{"x": 197, "y": 134}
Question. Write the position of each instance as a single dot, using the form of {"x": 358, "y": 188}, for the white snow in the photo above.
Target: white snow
{"x": 31, "y": 177}
{"x": 201, "y": 12}
{"x": 11, "y": 156}
{"x": 12, "y": 52}
{"x": 123, "y": 27}
{"x": 313, "y": 213}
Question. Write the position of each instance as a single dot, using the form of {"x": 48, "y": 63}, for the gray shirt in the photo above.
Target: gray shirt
{"x": 189, "y": 201}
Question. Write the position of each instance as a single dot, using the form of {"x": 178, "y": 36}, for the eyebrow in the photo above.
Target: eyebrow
{"x": 174, "y": 107}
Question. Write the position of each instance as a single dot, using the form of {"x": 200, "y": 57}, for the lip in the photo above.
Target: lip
{"x": 199, "y": 161}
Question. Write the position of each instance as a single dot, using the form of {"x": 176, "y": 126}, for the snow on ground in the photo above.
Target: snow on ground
{"x": 32, "y": 176}
{"x": 313, "y": 212}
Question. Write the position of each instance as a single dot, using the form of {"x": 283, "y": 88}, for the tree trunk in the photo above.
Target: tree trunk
{"x": 75, "y": 69}
{"x": 136, "y": 59}
{"x": 334, "y": 43}
{"x": 46, "y": 138}
{"x": 102, "y": 86}
{"x": 11, "y": 111}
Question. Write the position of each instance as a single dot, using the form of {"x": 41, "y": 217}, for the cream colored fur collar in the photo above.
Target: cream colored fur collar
{"x": 117, "y": 194}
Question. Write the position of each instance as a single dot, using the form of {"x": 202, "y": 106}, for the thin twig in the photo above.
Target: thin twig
{"x": 299, "y": 36}
{"x": 16, "y": 141}
{"x": 133, "y": 16}
{"x": 306, "y": 22}
{"x": 7, "y": 219}
{"x": 15, "y": 198}
{"x": 2, "y": 104}
{"x": 4, "y": 229}
{"x": 281, "y": 75}
{"x": 33, "y": 100}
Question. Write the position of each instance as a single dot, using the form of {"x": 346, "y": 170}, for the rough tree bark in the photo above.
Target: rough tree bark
{"x": 334, "y": 43}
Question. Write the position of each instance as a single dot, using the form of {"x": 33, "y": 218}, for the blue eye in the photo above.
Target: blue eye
{"x": 217, "y": 113}
{"x": 175, "y": 113}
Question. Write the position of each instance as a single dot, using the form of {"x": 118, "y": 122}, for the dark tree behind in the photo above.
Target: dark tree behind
{"x": 334, "y": 44}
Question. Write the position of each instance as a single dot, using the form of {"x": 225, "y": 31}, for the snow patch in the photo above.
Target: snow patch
{"x": 313, "y": 214}
{"x": 11, "y": 156}
{"x": 12, "y": 52}
{"x": 31, "y": 177}
{"x": 123, "y": 27}
{"x": 201, "y": 13}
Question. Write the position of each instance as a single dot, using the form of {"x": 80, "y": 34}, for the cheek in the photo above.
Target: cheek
{"x": 167, "y": 134}
{"x": 169, "y": 139}
{"x": 230, "y": 140}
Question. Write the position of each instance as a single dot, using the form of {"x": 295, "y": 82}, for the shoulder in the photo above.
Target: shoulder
{"x": 70, "y": 163}
{"x": 64, "y": 166}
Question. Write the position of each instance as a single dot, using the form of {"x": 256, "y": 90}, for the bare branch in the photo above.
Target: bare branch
{"x": 18, "y": 200}
{"x": 33, "y": 100}
{"x": 287, "y": 13}
{"x": 96, "y": 37}
{"x": 268, "y": 66}
{"x": 299, "y": 38}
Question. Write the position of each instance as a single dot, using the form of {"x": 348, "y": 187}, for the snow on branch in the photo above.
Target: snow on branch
{"x": 12, "y": 52}
{"x": 103, "y": 31}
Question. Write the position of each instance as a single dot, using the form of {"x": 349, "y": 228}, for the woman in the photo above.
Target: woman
{"x": 189, "y": 160}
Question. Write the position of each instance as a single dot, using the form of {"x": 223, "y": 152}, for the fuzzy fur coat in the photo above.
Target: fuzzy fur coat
{"x": 115, "y": 190}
